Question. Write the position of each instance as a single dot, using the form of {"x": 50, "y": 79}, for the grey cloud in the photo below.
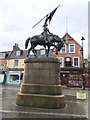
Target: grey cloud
{"x": 18, "y": 25}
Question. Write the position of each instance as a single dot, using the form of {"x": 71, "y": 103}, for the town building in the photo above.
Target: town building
{"x": 3, "y": 59}
{"x": 3, "y": 64}
{"x": 71, "y": 62}
{"x": 70, "y": 57}
{"x": 15, "y": 63}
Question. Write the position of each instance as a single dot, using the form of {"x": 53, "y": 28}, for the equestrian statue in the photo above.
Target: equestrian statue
{"x": 46, "y": 38}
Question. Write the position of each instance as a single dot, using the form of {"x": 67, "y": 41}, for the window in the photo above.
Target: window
{"x": 71, "y": 48}
{"x": 14, "y": 77}
{"x": 67, "y": 58}
{"x": 1, "y": 67}
{"x": 76, "y": 62}
{"x": 63, "y": 50}
{"x": 18, "y": 52}
{"x": 2, "y": 55}
{"x": 61, "y": 60}
{"x": 16, "y": 63}
{"x": 42, "y": 52}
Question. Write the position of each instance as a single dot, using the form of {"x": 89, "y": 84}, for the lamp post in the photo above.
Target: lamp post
{"x": 83, "y": 64}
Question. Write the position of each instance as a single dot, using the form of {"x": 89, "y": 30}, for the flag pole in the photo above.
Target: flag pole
{"x": 43, "y": 18}
{"x": 39, "y": 21}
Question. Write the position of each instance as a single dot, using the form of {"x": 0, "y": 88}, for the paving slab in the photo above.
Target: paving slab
{"x": 75, "y": 109}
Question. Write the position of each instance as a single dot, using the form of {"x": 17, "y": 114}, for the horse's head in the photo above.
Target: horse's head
{"x": 56, "y": 38}
{"x": 60, "y": 45}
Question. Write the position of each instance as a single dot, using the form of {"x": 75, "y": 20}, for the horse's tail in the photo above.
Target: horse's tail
{"x": 26, "y": 43}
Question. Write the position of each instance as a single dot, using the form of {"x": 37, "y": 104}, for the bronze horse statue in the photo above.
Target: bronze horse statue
{"x": 40, "y": 40}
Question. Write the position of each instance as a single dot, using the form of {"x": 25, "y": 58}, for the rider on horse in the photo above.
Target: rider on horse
{"x": 46, "y": 31}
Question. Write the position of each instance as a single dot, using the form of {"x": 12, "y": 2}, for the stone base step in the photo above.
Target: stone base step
{"x": 41, "y": 101}
{"x": 41, "y": 89}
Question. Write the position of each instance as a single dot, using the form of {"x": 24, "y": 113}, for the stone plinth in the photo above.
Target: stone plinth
{"x": 41, "y": 84}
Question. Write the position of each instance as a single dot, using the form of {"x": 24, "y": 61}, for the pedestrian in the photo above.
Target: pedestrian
{"x": 4, "y": 81}
{"x": 84, "y": 82}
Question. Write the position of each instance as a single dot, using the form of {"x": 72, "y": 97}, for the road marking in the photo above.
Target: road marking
{"x": 43, "y": 113}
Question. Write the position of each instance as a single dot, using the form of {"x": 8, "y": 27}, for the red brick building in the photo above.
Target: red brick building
{"x": 70, "y": 49}
{"x": 70, "y": 57}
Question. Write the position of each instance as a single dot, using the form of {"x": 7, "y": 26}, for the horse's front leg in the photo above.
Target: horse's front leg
{"x": 47, "y": 54}
{"x": 34, "y": 51}
{"x": 44, "y": 46}
{"x": 29, "y": 51}
{"x": 56, "y": 50}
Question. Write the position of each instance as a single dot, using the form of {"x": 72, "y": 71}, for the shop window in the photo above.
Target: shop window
{"x": 14, "y": 77}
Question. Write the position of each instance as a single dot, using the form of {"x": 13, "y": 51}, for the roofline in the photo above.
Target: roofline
{"x": 72, "y": 38}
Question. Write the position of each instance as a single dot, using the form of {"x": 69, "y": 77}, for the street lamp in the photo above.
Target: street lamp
{"x": 82, "y": 52}
{"x": 83, "y": 64}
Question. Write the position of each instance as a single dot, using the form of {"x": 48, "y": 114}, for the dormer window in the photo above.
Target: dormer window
{"x": 18, "y": 52}
{"x": 2, "y": 55}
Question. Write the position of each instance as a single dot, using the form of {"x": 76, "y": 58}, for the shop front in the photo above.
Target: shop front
{"x": 71, "y": 76}
{"x": 14, "y": 76}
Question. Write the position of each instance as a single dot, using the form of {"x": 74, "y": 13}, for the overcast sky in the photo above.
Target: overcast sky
{"x": 18, "y": 16}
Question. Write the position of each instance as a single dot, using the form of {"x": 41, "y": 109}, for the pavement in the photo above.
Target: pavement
{"x": 75, "y": 109}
